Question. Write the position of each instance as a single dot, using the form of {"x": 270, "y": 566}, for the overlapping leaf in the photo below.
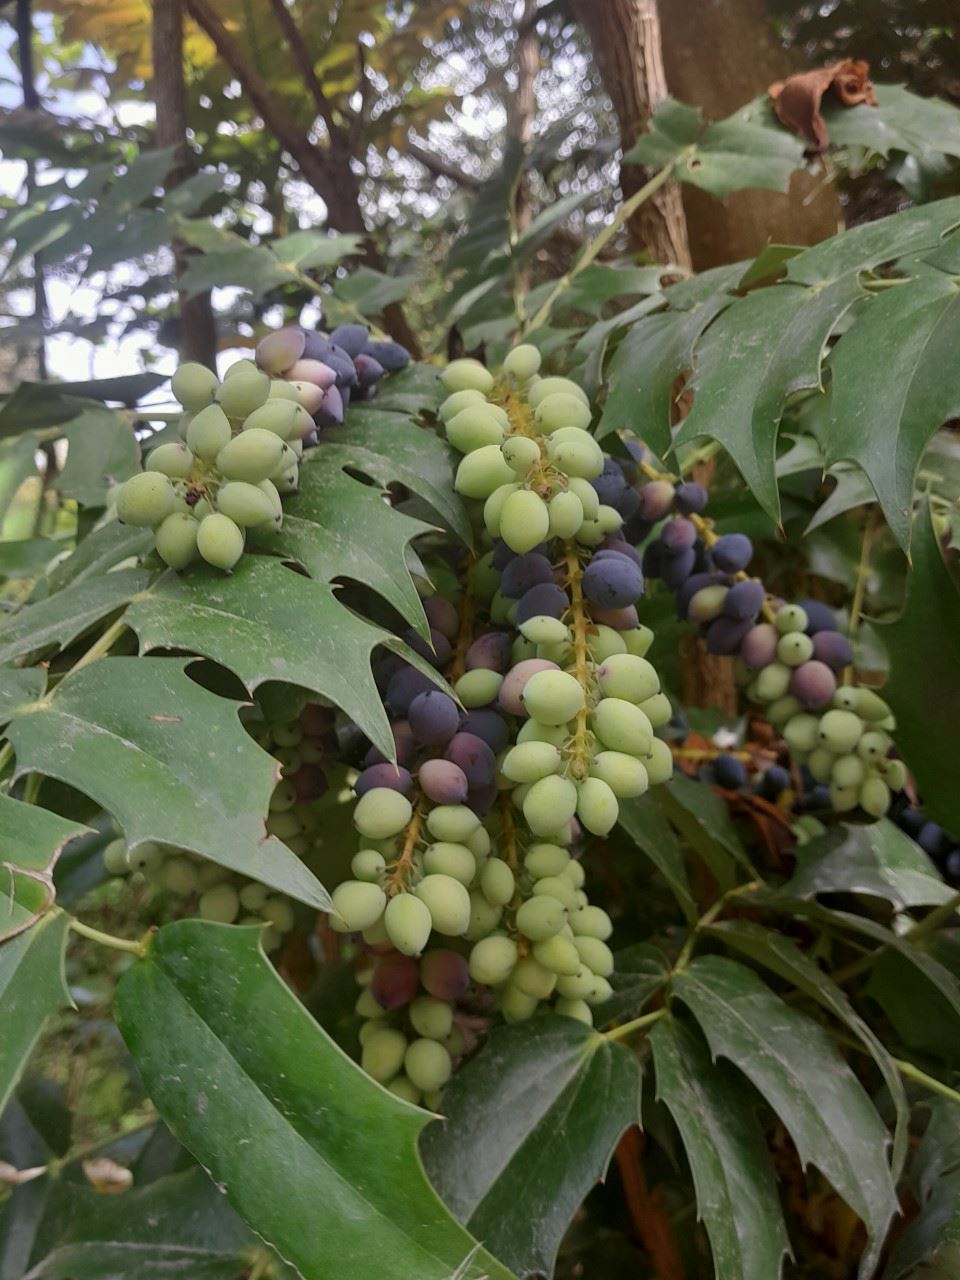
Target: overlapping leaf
{"x": 32, "y": 986}
{"x": 58, "y": 620}
{"x": 31, "y": 841}
{"x": 924, "y": 684}
{"x": 168, "y": 759}
{"x": 645, "y": 823}
{"x": 732, "y": 1171}
{"x": 531, "y": 1123}
{"x": 313, "y": 1154}
{"x": 795, "y": 1065}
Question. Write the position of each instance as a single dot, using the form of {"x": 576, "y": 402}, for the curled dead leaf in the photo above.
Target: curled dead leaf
{"x": 797, "y": 100}
{"x": 107, "y": 1177}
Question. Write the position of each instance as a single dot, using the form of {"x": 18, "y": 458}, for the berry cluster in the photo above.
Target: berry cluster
{"x": 939, "y": 845}
{"x": 242, "y": 440}
{"x": 301, "y": 746}
{"x": 468, "y": 883}
{"x": 791, "y": 658}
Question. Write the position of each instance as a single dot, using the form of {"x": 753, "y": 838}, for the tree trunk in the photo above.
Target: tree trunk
{"x": 719, "y": 54}
{"x": 626, "y": 41}
{"x": 198, "y": 328}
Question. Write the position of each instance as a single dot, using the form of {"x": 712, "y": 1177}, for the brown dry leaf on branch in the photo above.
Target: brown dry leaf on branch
{"x": 798, "y": 99}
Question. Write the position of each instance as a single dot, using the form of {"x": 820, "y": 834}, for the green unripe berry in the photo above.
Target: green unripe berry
{"x": 448, "y": 859}
{"x": 552, "y": 697}
{"x": 431, "y": 1018}
{"x": 587, "y": 494}
{"x": 576, "y": 986}
{"x": 453, "y": 822}
{"x": 282, "y": 418}
{"x": 781, "y": 710}
{"x": 194, "y": 386}
{"x": 638, "y": 640}
{"x": 624, "y": 675}
{"x": 473, "y": 428}
{"x": 115, "y": 857}
{"x": 530, "y": 761}
{"x": 558, "y": 887}
{"x": 483, "y": 471}
{"x": 407, "y": 922}
{"x": 246, "y": 504}
{"x": 479, "y": 687}
{"x": 790, "y": 617}
{"x": 427, "y": 1064}
{"x": 565, "y": 514}
{"x": 176, "y": 540}
{"x": 220, "y": 904}
{"x": 558, "y": 954}
{"x": 533, "y": 731}
{"x": 173, "y": 460}
{"x": 145, "y": 500}
{"x": 459, "y": 400}
{"x": 576, "y": 458}
{"x": 794, "y": 648}
{"x": 524, "y": 521}
{"x": 541, "y": 917}
{"x": 575, "y": 873}
{"x": 520, "y": 453}
{"x": 219, "y": 541}
{"x": 894, "y": 773}
{"x": 522, "y": 362}
{"x": 467, "y": 375}
{"x": 533, "y": 979}
{"x": 208, "y": 432}
{"x": 597, "y": 806}
{"x": 591, "y": 922}
{"x": 544, "y": 630}
{"x": 579, "y": 1010}
{"x": 496, "y": 882}
{"x": 368, "y": 864}
{"x": 382, "y": 1055}
{"x": 484, "y": 917}
{"x": 516, "y": 1005}
{"x": 492, "y": 960}
{"x": 357, "y": 904}
{"x": 382, "y": 812}
{"x": 820, "y": 764}
{"x": 772, "y": 682}
{"x": 479, "y": 842}
{"x": 625, "y": 775}
{"x": 658, "y": 763}
{"x": 840, "y": 731}
{"x": 560, "y": 409}
{"x": 843, "y": 799}
{"x": 596, "y": 955}
{"x": 243, "y": 392}
{"x": 870, "y": 706}
{"x": 545, "y": 860}
{"x": 253, "y": 456}
{"x": 802, "y": 732}
{"x": 875, "y": 797}
{"x": 621, "y": 726}
{"x": 874, "y": 745}
{"x": 403, "y": 1088}
{"x": 657, "y": 710}
{"x": 448, "y": 903}
{"x": 847, "y": 771}
{"x": 179, "y": 875}
{"x": 544, "y": 387}
{"x": 549, "y": 805}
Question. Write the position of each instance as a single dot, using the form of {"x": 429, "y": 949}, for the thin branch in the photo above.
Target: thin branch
{"x": 439, "y": 167}
{"x": 301, "y": 54}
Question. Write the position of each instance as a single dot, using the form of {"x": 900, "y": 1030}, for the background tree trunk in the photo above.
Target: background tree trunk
{"x": 626, "y": 40}
{"x": 198, "y": 327}
{"x": 719, "y": 54}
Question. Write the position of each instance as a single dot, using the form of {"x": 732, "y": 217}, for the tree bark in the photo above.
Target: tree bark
{"x": 198, "y": 326}
{"x": 626, "y": 41}
{"x": 720, "y": 54}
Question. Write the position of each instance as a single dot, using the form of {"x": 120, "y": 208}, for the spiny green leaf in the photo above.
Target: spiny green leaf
{"x": 642, "y": 374}
{"x": 313, "y": 1154}
{"x": 58, "y": 620}
{"x": 169, "y": 760}
{"x": 895, "y": 381}
{"x": 732, "y": 1171}
{"x": 760, "y": 352}
{"x": 252, "y": 267}
{"x": 32, "y": 986}
{"x": 795, "y": 1065}
{"x": 902, "y": 121}
{"x": 17, "y": 686}
{"x": 641, "y": 971}
{"x": 266, "y": 622}
{"x": 877, "y": 859}
{"x": 31, "y": 841}
{"x": 101, "y": 452}
{"x": 531, "y": 1123}
{"x": 703, "y": 820}
{"x": 924, "y": 684}
{"x": 782, "y": 956}
{"x": 645, "y": 823}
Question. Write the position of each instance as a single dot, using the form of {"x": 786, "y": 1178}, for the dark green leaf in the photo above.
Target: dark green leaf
{"x": 266, "y": 622}
{"x": 704, "y": 821}
{"x": 18, "y": 686}
{"x": 644, "y": 821}
{"x": 33, "y": 408}
{"x": 32, "y": 986}
{"x": 367, "y": 291}
{"x": 674, "y": 125}
{"x": 782, "y": 956}
{"x": 641, "y": 971}
{"x": 169, "y": 760}
{"x": 903, "y": 121}
{"x": 732, "y": 1171}
{"x": 531, "y": 1123}
{"x": 309, "y": 1149}
{"x": 894, "y": 382}
{"x": 25, "y": 557}
{"x": 924, "y": 684}
{"x": 795, "y": 1065}
{"x": 103, "y": 549}
{"x": 101, "y": 452}
{"x": 58, "y": 620}
{"x": 876, "y": 859}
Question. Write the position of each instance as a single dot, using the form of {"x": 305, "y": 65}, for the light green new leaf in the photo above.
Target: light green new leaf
{"x": 169, "y": 760}
{"x": 732, "y": 1171}
{"x": 763, "y": 350}
{"x": 924, "y": 684}
{"x": 305, "y": 250}
{"x": 53, "y": 623}
{"x": 782, "y": 956}
{"x": 31, "y": 842}
{"x": 531, "y": 1123}
{"x": 794, "y": 1063}
{"x": 895, "y": 381}
{"x": 32, "y": 986}
{"x": 266, "y": 622}
{"x": 317, "y": 1158}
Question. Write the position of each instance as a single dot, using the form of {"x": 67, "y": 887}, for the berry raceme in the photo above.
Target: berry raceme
{"x": 791, "y": 658}
{"x": 243, "y": 439}
{"x": 468, "y": 862}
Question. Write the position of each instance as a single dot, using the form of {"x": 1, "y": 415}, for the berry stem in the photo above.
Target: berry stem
{"x": 581, "y": 748}
{"x": 860, "y": 590}
{"x": 637, "y": 1024}
{"x": 395, "y": 882}
{"x": 108, "y": 940}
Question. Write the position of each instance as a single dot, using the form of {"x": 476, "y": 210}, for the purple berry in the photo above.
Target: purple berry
{"x": 442, "y": 616}
{"x": 675, "y": 570}
{"x": 612, "y": 581}
{"x": 491, "y": 652}
{"x": 833, "y": 648}
{"x": 547, "y": 598}
{"x": 404, "y": 687}
{"x": 690, "y": 498}
{"x": 656, "y": 499}
{"x": 488, "y": 725}
{"x": 744, "y": 599}
{"x": 443, "y": 782}
{"x": 445, "y": 975}
{"x": 434, "y": 717}
{"x": 814, "y": 684}
{"x": 725, "y": 635}
{"x": 732, "y": 552}
{"x": 678, "y": 534}
{"x": 387, "y": 775}
{"x": 759, "y": 647}
{"x": 395, "y": 981}
{"x": 474, "y": 757}
{"x": 524, "y": 572}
